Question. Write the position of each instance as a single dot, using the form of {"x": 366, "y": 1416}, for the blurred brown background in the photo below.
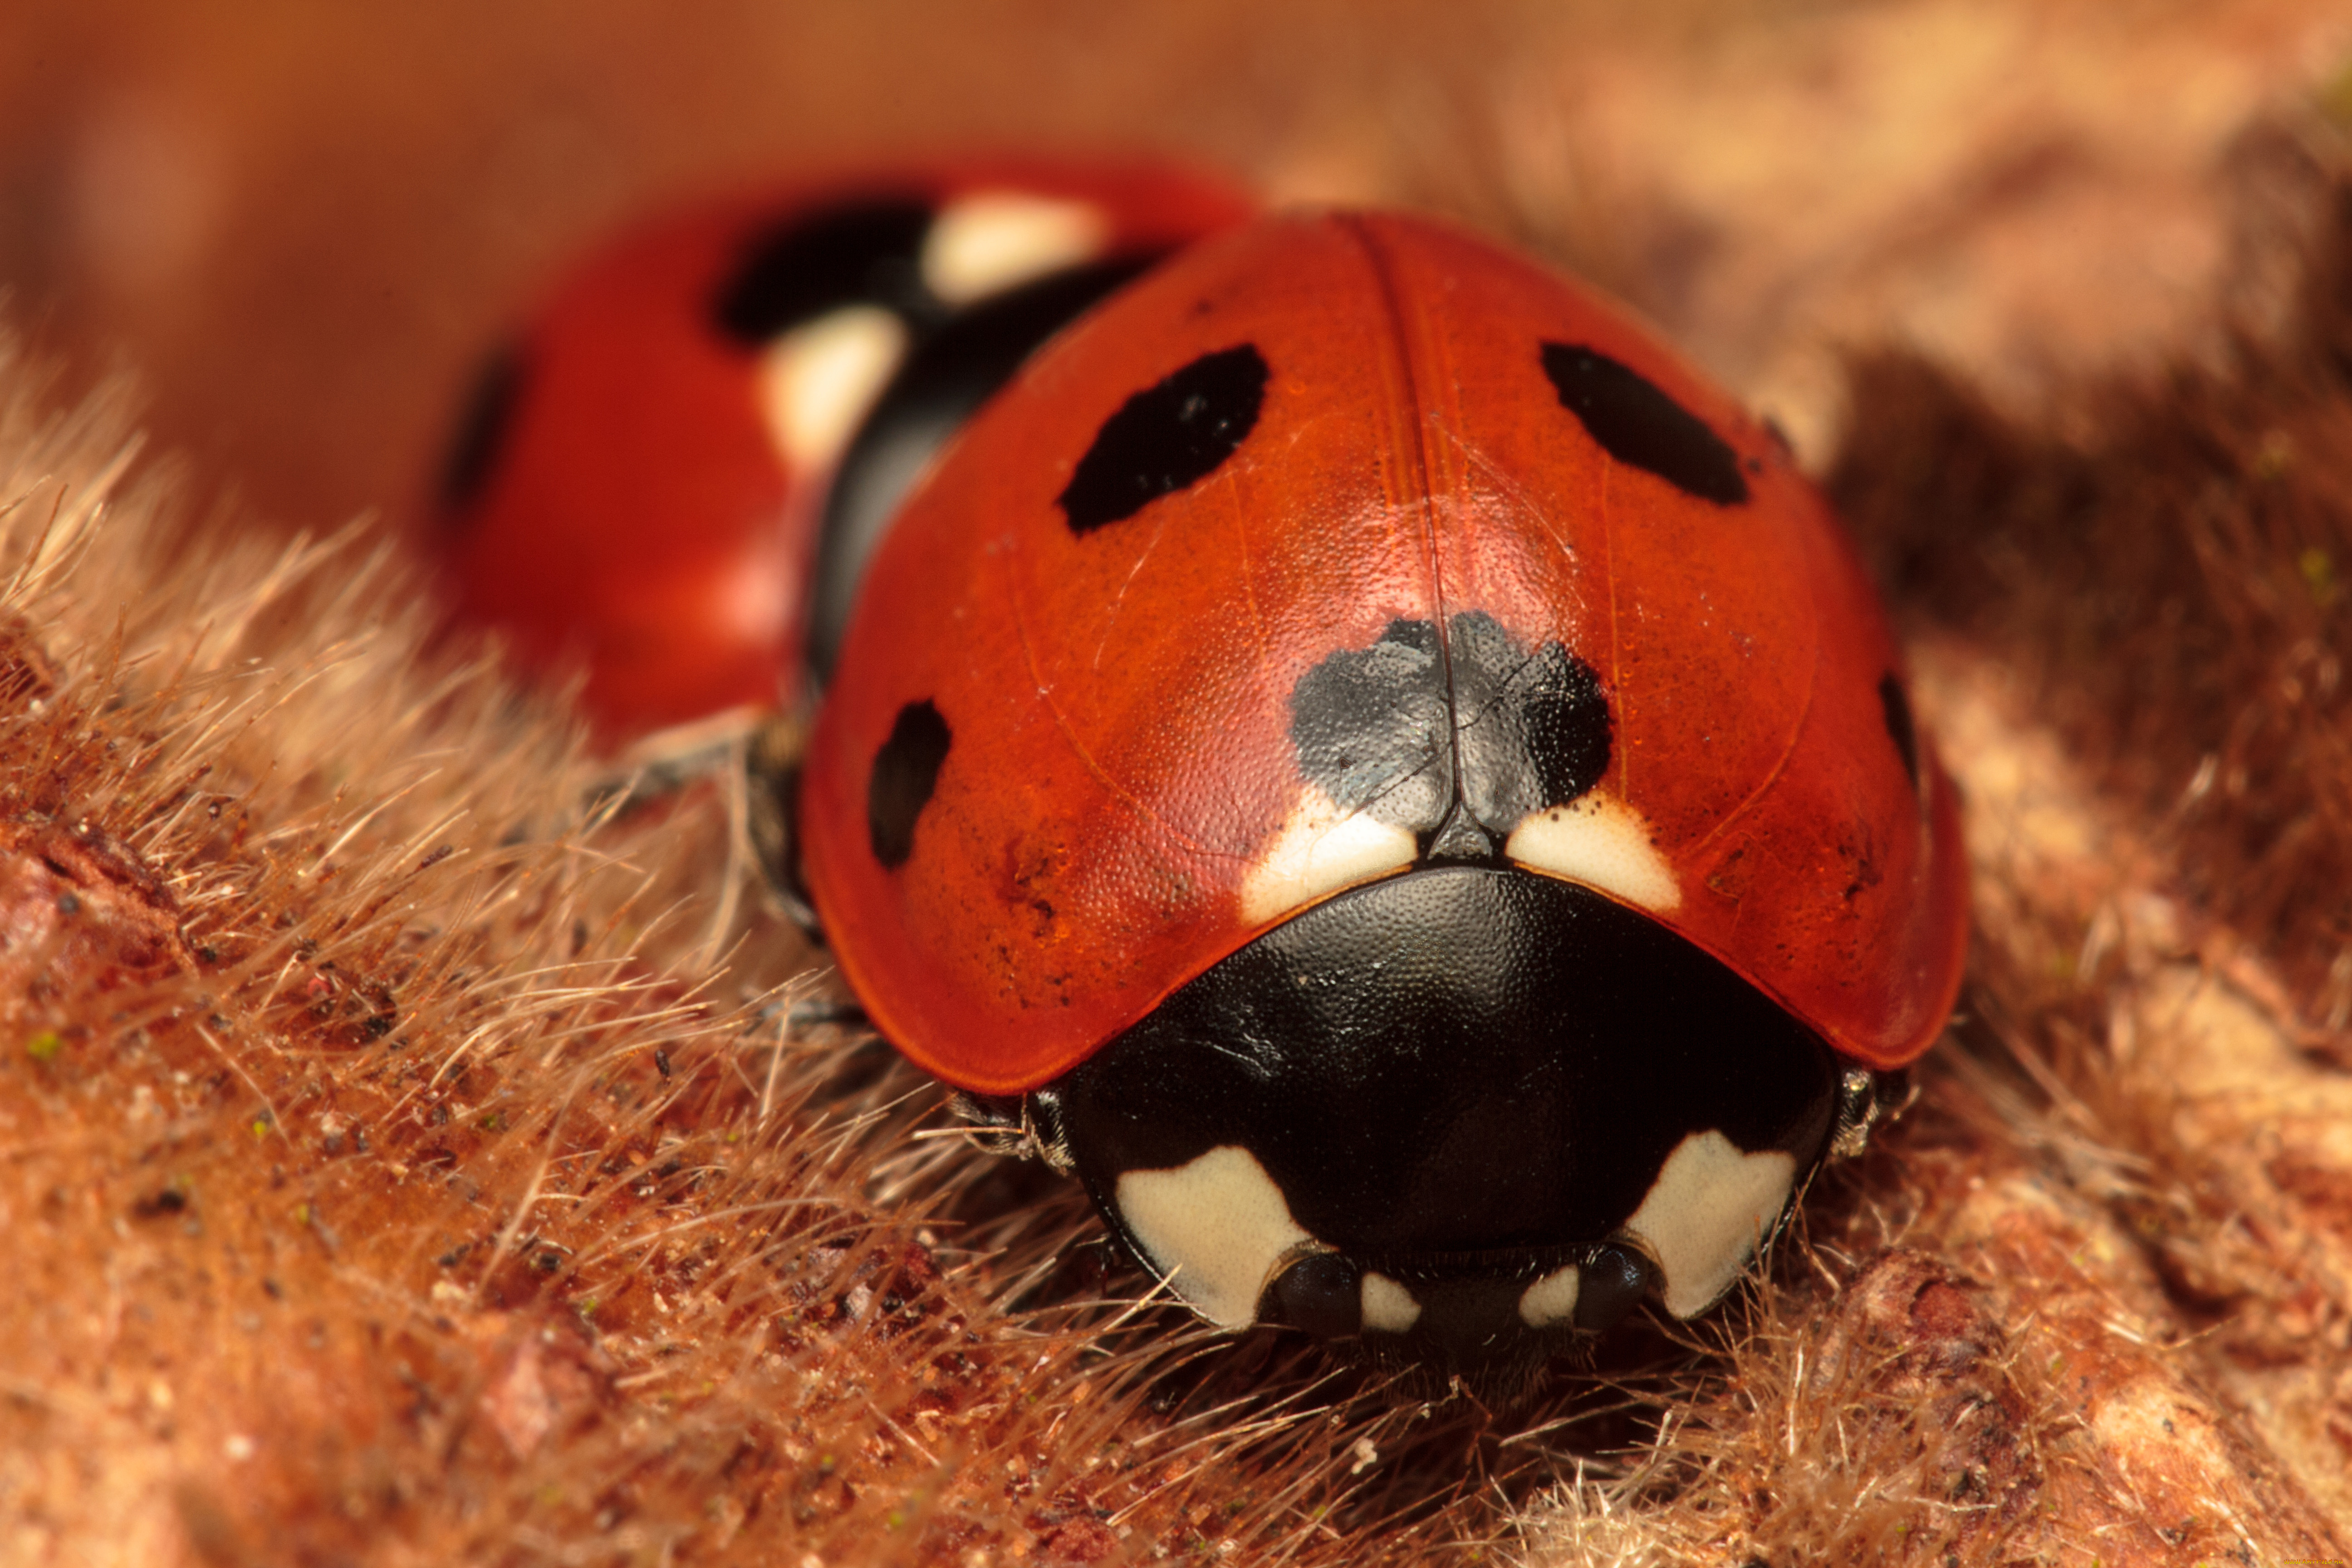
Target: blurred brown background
{"x": 301, "y": 221}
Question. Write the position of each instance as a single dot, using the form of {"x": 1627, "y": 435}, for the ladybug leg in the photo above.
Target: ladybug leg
{"x": 772, "y": 772}
{"x": 1021, "y": 1126}
{"x": 1864, "y": 1096}
{"x": 826, "y": 1012}
{"x": 757, "y": 752}
{"x": 660, "y": 765}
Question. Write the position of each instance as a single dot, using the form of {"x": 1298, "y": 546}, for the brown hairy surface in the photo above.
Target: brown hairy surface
{"x": 412, "y": 1153}
{"x": 2094, "y": 1297}
{"x": 383, "y": 1183}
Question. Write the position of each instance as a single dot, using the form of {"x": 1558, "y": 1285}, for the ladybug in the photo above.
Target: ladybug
{"x": 637, "y": 483}
{"x": 1364, "y": 758}
{"x": 1396, "y": 783}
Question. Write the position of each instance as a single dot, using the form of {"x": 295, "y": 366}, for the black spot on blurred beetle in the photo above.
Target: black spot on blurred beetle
{"x": 865, "y": 253}
{"x": 483, "y": 428}
{"x": 944, "y": 380}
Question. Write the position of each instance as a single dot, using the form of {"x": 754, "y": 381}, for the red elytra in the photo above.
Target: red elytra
{"x": 1114, "y": 704}
{"x": 622, "y": 507}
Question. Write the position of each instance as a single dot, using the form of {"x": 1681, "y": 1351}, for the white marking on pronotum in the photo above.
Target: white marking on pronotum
{"x": 1602, "y": 843}
{"x": 993, "y": 240}
{"x": 1553, "y": 1298}
{"x": 1706, "y": 1213}
{"x": 1319, "y": 851}
{"x": 817, "y": 381}
{"x": 1388, "y": 1305}
{"x": 1216, "y": 1228}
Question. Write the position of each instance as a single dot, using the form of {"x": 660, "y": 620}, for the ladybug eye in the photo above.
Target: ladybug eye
{"x": 1637, "y": 424}
{"x": 1613, "y": 1282}
{"x": 1167, "y": 437}
{"x": 1321, "y": 1293}
{"x": 1899, "y": 727}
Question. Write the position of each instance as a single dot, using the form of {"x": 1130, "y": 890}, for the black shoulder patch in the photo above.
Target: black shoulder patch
{"x": 1373, "y": 728}
{"x": 1167, "y": 437}
{"x": 866, "y": 253}
{"x": 1640, "y": 425}
{"x": 1899, "y": 726}
{"x": 482, "y": 430}
{"x": 1533, "y": 729}
{"x": 905, "y": 770}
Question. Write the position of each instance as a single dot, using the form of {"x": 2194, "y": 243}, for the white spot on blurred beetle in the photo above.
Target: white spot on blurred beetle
{"x": 1704, "y": 1216}
{"x": 989, "y": 241}
{"x": 817, "y": 381}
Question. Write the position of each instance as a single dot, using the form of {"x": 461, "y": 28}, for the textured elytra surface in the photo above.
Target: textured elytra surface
{"x": 2125, "y": 1343}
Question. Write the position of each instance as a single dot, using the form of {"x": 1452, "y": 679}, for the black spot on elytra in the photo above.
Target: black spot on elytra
{"x": 1456, "y": 745}
{"x": 1167, "y": 437}
{"x": 905, "y": 770}
{"x": 1637, "y": 424}
{"x": 487, "y": 421}
{"x": 1899, "y": 726}
{"x": 865, "y": 253}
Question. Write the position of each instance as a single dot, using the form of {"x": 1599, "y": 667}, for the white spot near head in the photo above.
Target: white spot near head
{"x": 1388, "y": 1305}
{"x": 817, "y": 381}
{"x": 1319, "y": 851}
{"x": 1602, "y": 842}
{"x": 1216, "y": 1228}
{"x": 1706, "y": 1214}
{"x": 1553, "y": 1298}
{"x": 993, "y": 240}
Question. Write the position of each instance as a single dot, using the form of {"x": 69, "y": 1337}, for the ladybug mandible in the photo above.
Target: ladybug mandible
{"x": 1364, "y": 758}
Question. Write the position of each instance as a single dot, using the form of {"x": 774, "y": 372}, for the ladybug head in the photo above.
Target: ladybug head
{"x": 1298, "y": 1136}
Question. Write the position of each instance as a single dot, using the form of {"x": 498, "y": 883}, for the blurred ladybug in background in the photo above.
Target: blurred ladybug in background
{"x": 1359, "y": 754}
{"x": 639, "y": 483}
